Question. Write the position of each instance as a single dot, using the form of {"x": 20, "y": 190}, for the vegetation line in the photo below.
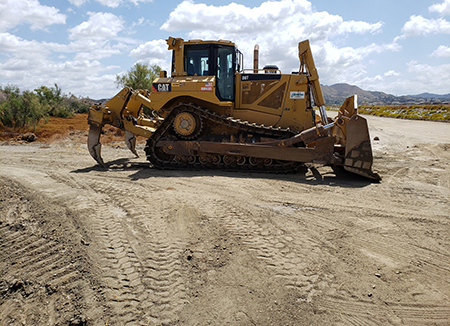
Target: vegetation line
{"x": 412, "y": 112}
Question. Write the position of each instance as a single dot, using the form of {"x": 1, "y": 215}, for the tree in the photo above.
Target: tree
{"x": 141, "y": 76}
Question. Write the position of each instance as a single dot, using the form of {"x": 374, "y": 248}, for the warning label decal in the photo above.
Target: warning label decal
{"x": 297, "y": 95}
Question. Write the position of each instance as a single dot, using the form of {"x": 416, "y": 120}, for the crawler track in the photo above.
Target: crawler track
{"x": 211, "y": 120}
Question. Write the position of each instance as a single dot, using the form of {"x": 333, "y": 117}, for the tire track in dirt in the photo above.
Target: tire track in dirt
{"x": 38, "y": 258}
{"x": 139, "y": 258}
{"x": 354, "y": 312}
{"x": 294, "y": 260}
{"x": 142, "y": 260}
{"x": 35, "y": 261}
{"x": 383, "y": 244}
{"x": 383, "y": 247}
{"x": 118, "y": 264}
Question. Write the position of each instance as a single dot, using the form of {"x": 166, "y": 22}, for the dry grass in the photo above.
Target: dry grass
{"x": 56, "y": 129}
{"x": 412, "y": 112}
{"x": 62, "y": 126}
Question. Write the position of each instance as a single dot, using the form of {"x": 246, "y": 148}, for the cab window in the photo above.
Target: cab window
{"x": 225, "y": 73}
{"x": 196, "y": 61}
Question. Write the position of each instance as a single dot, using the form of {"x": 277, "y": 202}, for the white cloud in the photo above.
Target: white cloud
{"x": 425, "y": 74}
{"x": 391, "y": 73}
{"x": 359, "y": 27}
{"x": 418, "y": 78}
{"x": 346, "y": 65}
{"x": 14, "y": 44}
{"x": 284, "y": 15}
{"x": 30, "y": 63}
{"x": 98, "y": 53}
{"x": 100, "y": 26}
{"x": 418, "y": 25}
{"x": 140, "y": 21}
{"x": 152, "y": 52}
{"x": 136, "y": 2}
{"x": 278, "y": 26}
{"x": 441, "y": 51}
{"x": 109, "y": 3}
{"x": 78, "y": 2}
{"x": 16, "y": 12}
{"x": 441, "y": 8}
{"x": 80, "y": 76}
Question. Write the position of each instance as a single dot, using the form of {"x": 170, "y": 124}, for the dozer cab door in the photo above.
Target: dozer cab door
{"x": 213, "y": 60}
{"x": 225, "y": 72}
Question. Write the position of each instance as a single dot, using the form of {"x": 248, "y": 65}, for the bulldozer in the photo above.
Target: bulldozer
{"x": 211, "y": 113}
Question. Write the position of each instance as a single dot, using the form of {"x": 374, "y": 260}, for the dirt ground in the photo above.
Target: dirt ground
{"x": 81, "y": 245}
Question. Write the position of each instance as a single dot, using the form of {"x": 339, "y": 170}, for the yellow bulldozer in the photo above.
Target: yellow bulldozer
{"x": 213, "y": 113}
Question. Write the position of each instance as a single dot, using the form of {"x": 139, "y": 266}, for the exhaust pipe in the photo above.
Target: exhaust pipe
{"x": 255, "y": 58}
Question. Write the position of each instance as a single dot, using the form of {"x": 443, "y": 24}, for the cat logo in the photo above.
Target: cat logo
{"x": 160, "y": 87}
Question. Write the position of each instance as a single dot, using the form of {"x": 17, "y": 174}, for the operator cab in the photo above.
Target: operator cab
{"x": 220, "y": 59}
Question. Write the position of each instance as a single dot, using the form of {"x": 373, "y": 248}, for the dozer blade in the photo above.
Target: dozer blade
{"x": 130, "y": 140}
{"x": 94, "y": 145}
{"x": 358, "y": 150}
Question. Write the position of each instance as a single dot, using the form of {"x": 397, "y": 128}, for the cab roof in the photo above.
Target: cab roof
{"x": 222, "y": 42}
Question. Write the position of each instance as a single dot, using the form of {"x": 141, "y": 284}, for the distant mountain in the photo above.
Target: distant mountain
{"x": 432, "y": 96}
{"x": 337, "y": 93}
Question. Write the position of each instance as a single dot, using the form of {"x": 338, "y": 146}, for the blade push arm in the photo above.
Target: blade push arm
{"x": 308, "y": 67}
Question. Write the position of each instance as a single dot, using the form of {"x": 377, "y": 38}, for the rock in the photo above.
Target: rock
{"x": 29, "y": 137}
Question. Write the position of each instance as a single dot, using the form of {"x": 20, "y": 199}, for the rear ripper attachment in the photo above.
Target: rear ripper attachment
{"x": 213, "y": 114}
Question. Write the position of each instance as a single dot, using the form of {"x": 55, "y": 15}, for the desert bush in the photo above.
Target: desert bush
{"x": 21, "y": 110}
{"x": 75, "y": 104}
{"x": 53, "y": 98}
{"x": 25, "y": 110}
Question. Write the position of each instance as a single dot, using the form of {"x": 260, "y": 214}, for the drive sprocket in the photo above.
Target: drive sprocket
{"x": 187, "y": 125}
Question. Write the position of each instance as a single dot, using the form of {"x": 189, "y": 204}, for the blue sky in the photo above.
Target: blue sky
{"x": 399, "y": 47}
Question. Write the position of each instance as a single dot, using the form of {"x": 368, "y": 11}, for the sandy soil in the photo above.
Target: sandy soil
{"x": 131, "y": 245}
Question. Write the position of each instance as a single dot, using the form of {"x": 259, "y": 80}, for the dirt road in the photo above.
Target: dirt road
{"x": 136, "y": 246}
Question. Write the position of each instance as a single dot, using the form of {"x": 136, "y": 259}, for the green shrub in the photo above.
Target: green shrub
{"x": 25, "y": 110}
{"x": 52, "y": 97}
{"x": 21, "y": 110}
{"x": 75, "y": 104}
